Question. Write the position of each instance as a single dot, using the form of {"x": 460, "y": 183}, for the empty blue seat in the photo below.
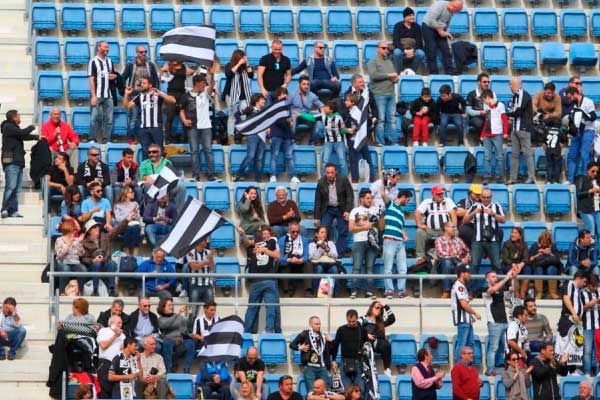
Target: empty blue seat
{"x": 368, "y": 20}
{"x": 114, "y": 48}
{"x": 395, "y": 157}
{"x": 595, "y": 22}
{"x": 339, "y": 20}
{"x": 133, "y": 18}
{"x": 485, "y": 21}
{"x": 250, "y": 19}
{"x": 454, "y": 160}
{"x": 78, "y": 85}
{"x": 515, "y": 22}
{"x": 410, "y": 87}
{"x": 182, "y": 385}
{"x": 493, "y": 55}
{"x": 80, "y": 120}
{"x": 130, "y": 46}
{"x": 43, "y": 16}
{"x": 272, "y": 348}
{"x": 305, "y": 159}
{"x": 50, "y": 85}
{"x": 564, "y": 234}
{"x": 345, "y": 53}
{"x": 104, "y": 17}
{"x": 281, "y": 20}
{"x": 369, "y": 50}
{"x": 162, "y": 18}
{"x": 222, "y": 18}
{"x": 403, "y": 386}
{"x": 591, "y": 87}
{"x": 552, "y": 54}
{"x": 532, "y": 230}
{"x": 459, "y": 25}
{"x": 346, "y": 81}
{"x": 225, "y": 265}
{"x": 441, "y": 355}
{"x": 523, "y": 56}
{"x": 543, "y": 22}
{"x": 157, "y": 60}
{"x": 119, "y": 121}
{"x": 532, "y": 83}
{"x": 47, "y": 50}
{"x": 305, "y": 196}
{"x": 499, "y": 84}
{"x": 74, "y": 17}
{"x": 426, "y": 161}
{"x": 573, "y": 23}
{"x": 385, "y": 387}
{"x": 77, "y": 51}
{"x": 190, "y": 15}
{"x": 292, "y": 51}
{"x": 392, "y": 16}
{"x": 500, "y": 195}
{"x": 557, "y": 199}
{"x": 569, "y": 385}
{"x": 216, "y": 195}
{"x": 114, "y": 153}
{"x": 410, "y": 227}
{"x": 404, "y": 348}
{"x": 466, "y": 83}
{"x": 526, "y": 198}
{"x": 255, "y": 49}
{"x": 582, "y": 54}
{"x": 310, "y": 20}
{"x": 436, "y": 82}
{"x": 224, "y": 48}
{"x": 224, "y": 238}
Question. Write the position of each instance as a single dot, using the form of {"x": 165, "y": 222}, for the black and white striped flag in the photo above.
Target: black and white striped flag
{"x": 360, "y": 114}
{"x": 195, "y": 44}
{"x": 194, "y": 224}
{"x": 224, "y": 342}
{"x": 166, "y": 181}
{"x": 258, "y": 123}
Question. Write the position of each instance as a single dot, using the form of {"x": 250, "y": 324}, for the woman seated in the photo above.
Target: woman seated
{"x": 175, "y": 335}
{"x": 127, "y": 218}
{"x": 515, "y": 256}
{"x": 95, "y": 256}
{"x": 70, "y": 207}
{"x": 323, "y": 255}
{"x": 67, "y": 253}
{"x": 252, "y": 215}
{"x": 544, "y": 259}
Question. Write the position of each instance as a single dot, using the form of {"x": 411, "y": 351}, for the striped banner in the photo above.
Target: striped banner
{"x": 224, "y": 342}
{"x": 260, "y": 122}
{"x": 195, "y": 44}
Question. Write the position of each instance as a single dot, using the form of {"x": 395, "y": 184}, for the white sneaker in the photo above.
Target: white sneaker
{"x": 388, "y": 372}
{"x": 295, "y": 180}
{"x": 183, "y": 294}
{"x": 273, "y": 178}
{"x": 415, "y": 144}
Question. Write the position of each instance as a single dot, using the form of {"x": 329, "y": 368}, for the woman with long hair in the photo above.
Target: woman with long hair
{"x": 67, "y": 253}
{"x": 245, "y": 392}
{"x": 175, "y": 335}
{"x": 516, "y": 380}
{"x": 323, "y": 255}
{"x": 379, "y": 316}
{"x": 545, "y": 260}
{"x": 237, "y": 89}
{"x": 587, "y": 190}
{"x": 175, "y": 73}
{"x": 127, "y": 217}
{"x": 515, "y": 256}
{"x": 71, "y": 205}
{"x": 252, "y": 214}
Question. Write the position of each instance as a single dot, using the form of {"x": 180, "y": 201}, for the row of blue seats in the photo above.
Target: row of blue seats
{"x": 309, "y": 20}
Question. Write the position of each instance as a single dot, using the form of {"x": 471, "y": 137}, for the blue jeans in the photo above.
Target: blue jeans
{"x": 155, "y": 232}
{"x": 255, "y": 151}
{"x": 15, "y": 340}
{"x": 150, "y": 136}
{"x": 102, "y": 118}
{"x": 132, "y": 236}
{"x": 588, "y": 348}
{"x": 232, "y": 108}
{"x": 574, "y": 268}
{"x": 490, "y": 249}
{"x": 187, "y": 348}
{"x": 464, "y": 337}
{"x": 106, "y": 266}
{"x": 496, "y": 334}
{"x": 355, "y": 156}
{"x": 311, "y": 374}
{"x": 580, "y": 147}
{"x": 455, "y": 119}
{"x": 401, "y": 62}
{"x": 287, "y": 146}
{"x": 447, "y": 266}
{"x": 489, "y": 144}
{"x": 334, "y": 87}
{"x": 133, "y": 122}
{"x": 64, "y": 280}
{"x": 393, "y": 250}
{"x": 336, "y": 214}
{"x": 550, "y": 270}
{"x": 591, "y": 222}
{"x": 386, "y": 107}
{"x": 363, "y": 252}
{"x": 267, "y": 291}
{"x": 201, "y": 138}
{"x": 339, "y": 148}
{"x": 196, "y": 294}
{"x": 13, "y": 177}
{"x": 355, "y": 378}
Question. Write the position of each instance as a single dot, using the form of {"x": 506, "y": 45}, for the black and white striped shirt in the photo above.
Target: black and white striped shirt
{"x": 459, "y": 292}
{"x": 150, "y": 109}
{"x": 481, "y": 220}
{"x": 199, "y": 256}
{"x": 436, "y": 214}
{"x": 574, "y": 293}
{"x": 518, "y": 332}
{"x": 100, "y": 69}
{"x": 332, "y": 126}
{"x": 591, "y": 317}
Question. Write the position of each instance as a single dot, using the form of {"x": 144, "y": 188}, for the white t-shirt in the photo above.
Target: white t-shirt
{"x": 362, "y": 236}
{"x": 202, "y": 110}
{"x": 114, "y": 349}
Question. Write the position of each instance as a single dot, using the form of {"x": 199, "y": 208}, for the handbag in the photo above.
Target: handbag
{"x": 8, "y": 157}
{"x": 545, "y": 260}
{"x": 350, "y": 365}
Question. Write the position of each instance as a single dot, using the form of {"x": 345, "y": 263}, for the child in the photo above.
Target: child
{"x": 335, "y": 132}
{"x": 555, "y": 140}
{"x": 282, "y": 138}
{"x": 424, "y": 112}
{"x": 255, "y": 146}
{"x": 351, "y": 101}
{"x": 493, "y": 133}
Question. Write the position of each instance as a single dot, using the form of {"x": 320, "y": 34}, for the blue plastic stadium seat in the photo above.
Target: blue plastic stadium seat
{"x": 345, "y": 53}
{"x": 133, "y": 18}
{"x": 272, "y": 382}
{"x": 485, "y": 21}
{"x": 552, "y": 54}
{"x": 339, "y": 20}
{"x": 369, "y": 48}
{"x": 216, "y": 195}
{"x": 385, "y": 387}
{"x": 305, "y": 159}
{"x": 591, "y": 87}
{"x": 191, "y": 189}
{"x": 74, "y": 17}
{"x": 500, "y": 196}
{"x": 308, "y": 228}
{"x": 82, "y": 150}
{"x": 114, "y": 153}
{"x": 569, "y": 385}
{"x": 563, "y": 234}
{"x": 493, "y": 55}
{"x": 157, "y": 60}
{"x": 162, "y": 18}
{"x": 368, "y": 20}
{"x": 119, "y": 121}
{"x": 182, "y": 385}
{"x": 190, "y": 15}
{"x": 247, "y": 342}
{"x": 426, "y": 161}
{"x": 310, "y": 20}
{"x": 532, "y": 230}
{"x": 420, "y": 14}
{"x": 454, "y": 160}
{"x": 114, "y": 48}
{"x": 346, "y": 81}
{"x": 543, "y": 22}
{"x": 459, "y": 25}
{"x": 595, "y": 22}
{"x": 224, "y": 48}
{"x": 295, "y": 353}
{"x": 582, "y": 54}
{"x": 104, "y": 17}
{"x": 80, "y": 120}
{"x": 477, "y": 356}
{"x": 50, "y": 85}
{"x": 441, "y": 355}
{"x": 305, "y": 196}
{"x": 499, "y": 84}
{"x": 459, "y": 191}
{"x": 272, "y": 348}
{"x": 412, "y": 204}
{"x": 255, "y": 49}
{"x": 404, "y": 348}
{"x": 526, "y": 198}
{"x": 47, "y": 50}
{"x": 410, "y": 87}
{"x": 557, "y": 199}
{"x": 225, "y": 265}
{"x": 281, "y": 20}
{"x": 392, "y": 16}
{"x": 532, "y": 83}
{"x": 395, "y": 157}
{"x": 301, "y": 386}
{"x": 403, "y": 386}
{"x": 237, "y": 152}
{"x": 131, "y": 44}
{"x": 466, "y": 83}
{"x": 573, "y": 23}
{"x": 523, "y": 56}
{"x": 279, "y": 164}
{"x": 223, "y": 237}
{"x": 270, "y": 191}
{"x": 43, "y": 16}
{"x": 436, "y": 81}
{"x": 222, "y": 18}
{"x": 77, "y": 51}
{"x": 292, "y": 51}
{"x": 515, "y": 22}
{"x": 218, "y": 159}
{"x": 250, "y": 19}
{"x": 410, "y": 226}
{"x": 560, "y": 81}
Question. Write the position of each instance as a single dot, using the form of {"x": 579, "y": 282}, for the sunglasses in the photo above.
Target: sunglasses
{"x": 94, "y": 154}
{"x": 142, "y": 52}
{"x": 98, "y": 191}
{"x": 384, "y": 48}
{"x": 294, "y": 232}
{"x": 320, "y": 47}
{"x": 514, "y": 359}
{"x": 577, "y": 83}
{"x": 153, "y": 152}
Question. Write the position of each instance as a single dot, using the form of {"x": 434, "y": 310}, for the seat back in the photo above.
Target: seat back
{"x": 251, "y": 19}
{"x": 532, "y": 231}
{"x": 226, "y": 265}
{"x": 310, "y": 20}
{"x": 162, "y": 18}
{"x": 410, "y": 87}
{"x": 345, "y": 53}
{"x": 339, "y": 20}
{"x": 191, "y": 15}
{"x": 222, "y": 17}
{"x": 281, "y": 20}
{"x": 133, "y": 18}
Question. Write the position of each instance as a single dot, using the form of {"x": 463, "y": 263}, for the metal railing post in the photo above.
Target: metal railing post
{"x": 144, "y": 285}
{"x": 420, "y": 305}
{"x": 236, "y": 294}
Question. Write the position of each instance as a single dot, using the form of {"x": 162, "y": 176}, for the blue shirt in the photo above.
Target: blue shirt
{"x": 166, "y": 267}
{"x": 65, "y": 211}
{"x": 88, "y": 204}
{"x": 304, "y": 104}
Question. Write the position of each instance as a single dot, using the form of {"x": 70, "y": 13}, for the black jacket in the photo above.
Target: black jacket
{"x": 133, "y": 320}
{"x": 105, "y": 316}
{"x": 585, "y": 199}
{"x": 345, "y": 195}
{"x": 303, "y": 338}
{"x": 418, "y": 103}
{"x": 41, "y": 161}
{"x": 350, "y": 339}
{"x": 525, "y": 113}
{"x": 401, "y": 32}
{"x": 464, "y": 54}
{"x": 373, "y": 110}
{"x": 128, "y": 74}
{"x": 12, "y": 142}
{"x": 545, "y": 385}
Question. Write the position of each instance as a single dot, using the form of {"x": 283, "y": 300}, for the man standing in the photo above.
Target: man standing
{"x": 581, "y": 129}
{"x": 435, "y": 33}
{"x": 431, "y": 215}
{"x": 475, "y": 108}
{"x": 408, "y": 43}
{"x": 93, "y": 170}
{"x": 466, "y": 384}
{"x": 60, "y": 135}
{"x": 463, "y": 315}
{"x": 200, "y": 261}
{"x": 100, "y": 74}
{"x": 195, "y": 116}
{"x": 12, "y": 332}
{"x": 545, "y": 370}
{"x": 274, "y": 70}
{"x": 110, "y": 341}
{"x": 334, "y": 199}
{"x": 154, "y": 370}
{"x": 591, "y": 320}
{"x": 314, "y": 353}
{"x": 465, "y": 231}
{"x": 538, "y": 327}
{"x": 566, "y": 104}
{"x": 304, "y": 101}
{"x": 383, "y": 77}
{"x": 517, "y": 336}
{"x": 547, "y": 102}
{"x": 126, "y": 370}
{"x": 13, "y": 161}
{"x": 149, "y": 101}
{"x": 521, "y": 112}
{"x": 385, "y": 185}
{"x": 251, "y": 369}
{"x": 351, "y": 338}
{"x": 451, "y": 108}
{"x": 321, "y": 71}
{"x": 286, "y": 390}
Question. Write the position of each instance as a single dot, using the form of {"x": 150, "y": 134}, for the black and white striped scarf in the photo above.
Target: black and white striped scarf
{"x": 240, "y": 82}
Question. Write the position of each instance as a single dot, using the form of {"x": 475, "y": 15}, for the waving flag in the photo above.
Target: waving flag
{"x": 360, "y": 114}
{"x": 195, "y": 44}
{"x": 257, "y": 124}
{"x": 166, "y": 181}
{"x": 224, "y": 342}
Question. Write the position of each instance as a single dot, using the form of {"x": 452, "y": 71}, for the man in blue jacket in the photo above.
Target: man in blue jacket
{"x": 159, "y": 217}
{"x": 161, "y": 286}
{"x": 582, "y": 255}
{"x": 214, "y": 377}
{"x": 293, "y": 257}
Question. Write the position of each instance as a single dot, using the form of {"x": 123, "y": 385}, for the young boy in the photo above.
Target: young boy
{"x": 555, "y": 140}
{"x": 493, "y": 133}
{"x": 424, "y": 112}
{"x": 255, "y": 146}
{"x": 352, "y": 124}
{"x": 282, "y": 139}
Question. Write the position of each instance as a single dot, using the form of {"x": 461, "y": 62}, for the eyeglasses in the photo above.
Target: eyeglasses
{"x": 384, "y": 48}
{"x": 514, "y": 359}
{"x": 153, "y": 151}
{"x": 486, "y": 197}
{"x": 98, "y": 191}
{"x": 294, "y": 232}
{"x": 142, "y": 52}
{"x": 577, "y": 83}
{"x": 319, "y": 47}
{"x": 93, "y": 154}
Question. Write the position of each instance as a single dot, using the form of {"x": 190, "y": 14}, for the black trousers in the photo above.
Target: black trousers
{"x": 434, "y": 42}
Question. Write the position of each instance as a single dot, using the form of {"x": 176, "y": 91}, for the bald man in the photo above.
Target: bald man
{"x": 250, "y": 369}
{"x": 520, "y": 109}
{"x": 60, "y": 136}
{"x": 435, "y": 33}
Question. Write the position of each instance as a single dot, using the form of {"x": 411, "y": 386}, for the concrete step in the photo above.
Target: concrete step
{"x": 23, "y": 390}
{"x": 27, "y": 289}
{"x": 32, "y": 215}
{"x": 21, "y": 273}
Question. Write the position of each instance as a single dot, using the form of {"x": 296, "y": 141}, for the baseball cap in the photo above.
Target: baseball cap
{"x": 463, "y": 268}
{"x": 437, "y": 189}
{"x": 475, "y": 188}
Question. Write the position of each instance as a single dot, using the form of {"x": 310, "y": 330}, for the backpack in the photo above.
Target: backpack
{"x": 219, "y": 127}
{"x": 128, "y": 264}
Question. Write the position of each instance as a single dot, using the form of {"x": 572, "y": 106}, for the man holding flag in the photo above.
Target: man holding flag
{"x": 159, "y": 178}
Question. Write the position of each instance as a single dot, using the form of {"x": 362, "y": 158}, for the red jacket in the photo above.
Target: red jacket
{"x": 67, "y": 133}
{"x": 465, "y": 382}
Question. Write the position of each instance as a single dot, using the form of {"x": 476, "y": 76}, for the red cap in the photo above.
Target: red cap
{"x": 437, "y": 190}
